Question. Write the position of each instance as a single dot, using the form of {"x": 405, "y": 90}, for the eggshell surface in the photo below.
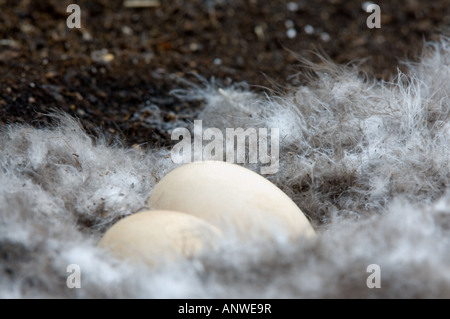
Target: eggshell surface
{"x": 232, "y": 198}
{"x": 159, "y": 235}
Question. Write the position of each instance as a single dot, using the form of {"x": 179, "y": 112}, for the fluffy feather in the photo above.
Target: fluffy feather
{"x": 367, "y": 161}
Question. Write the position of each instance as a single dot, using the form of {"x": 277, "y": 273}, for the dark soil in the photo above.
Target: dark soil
{"x": 146, "y": 51}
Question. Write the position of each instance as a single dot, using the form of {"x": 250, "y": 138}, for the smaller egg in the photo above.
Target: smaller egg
{"x": 156, "y": 236}
{"x": 232, "y": 198}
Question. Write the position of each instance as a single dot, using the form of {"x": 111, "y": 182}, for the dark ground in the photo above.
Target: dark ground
{"x": 45, "y": 65}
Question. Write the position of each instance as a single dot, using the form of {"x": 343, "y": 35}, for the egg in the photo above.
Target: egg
{"x": 232, "y": 198}
{"x": 153, "y": 237}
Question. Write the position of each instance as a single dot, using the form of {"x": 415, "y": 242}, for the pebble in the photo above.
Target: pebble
{"x": 309, "y": 29}
{"x": 291, "y": 33}
{"x": 292, "y": 6}
{"x": 289, "y": 24}
{"x": 102, "y": 56}
{"x": 325, "y": 37}
{"x": 366, "y": 4}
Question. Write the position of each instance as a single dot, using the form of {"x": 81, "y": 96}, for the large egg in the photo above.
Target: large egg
{"x": 156, "y": 236}
{"x": 232, "y": 198}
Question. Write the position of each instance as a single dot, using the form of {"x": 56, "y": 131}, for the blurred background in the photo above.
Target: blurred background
{"x": 116, "y": 72}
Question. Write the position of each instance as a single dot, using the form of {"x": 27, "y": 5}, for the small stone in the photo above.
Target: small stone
{"x": 291, "y": 33}
{"x": 194, "y": 46}
{"x": 126, "y": 30}
{"x": 325, "y": 37}
{"x": 366, "y": 4}
{"x": 86, "y": 36}
{"x": 292, "y": 6}
{"x": 259, "y": 31}
{"x": 50, "y": 75}
{"x": 102, "y": 56}
{"x": 289, "y": 24}
{"x": 309, "y": 29}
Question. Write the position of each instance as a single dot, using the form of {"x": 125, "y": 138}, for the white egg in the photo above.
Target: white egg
{"x": 232, "y": 198}
{"x": 156, "y": 236}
